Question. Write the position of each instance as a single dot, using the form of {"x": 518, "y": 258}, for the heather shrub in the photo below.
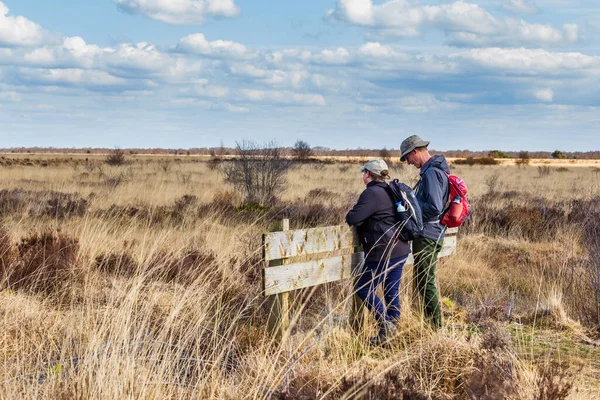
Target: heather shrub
{"x": 116, "y": 158}
{"x": 8, "y": 254}
{"x": 45, "y": 261}
{"x": 13, "y": 201}
{"x": 166, "y": 266}
{"x": 62, "y": 207}
{"x": 530, "y": 218}
{"x": 119, "y": 263}
{"x": 183, "y": 268}
{"x": 214, "y": 163}
{"x": 477, "y": 161}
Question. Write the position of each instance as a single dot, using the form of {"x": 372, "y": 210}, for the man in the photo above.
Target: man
{"x": 432, "y": 193}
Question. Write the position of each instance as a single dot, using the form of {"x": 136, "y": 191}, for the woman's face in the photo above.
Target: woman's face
{"x": 366, "y": 177}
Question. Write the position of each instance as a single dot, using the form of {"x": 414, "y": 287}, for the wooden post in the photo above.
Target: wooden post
{"x": 279, "y": 319}
{"x": 357, "y": 312}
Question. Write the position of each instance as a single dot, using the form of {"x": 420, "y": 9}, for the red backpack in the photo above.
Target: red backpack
{"x": 457, "y": 208}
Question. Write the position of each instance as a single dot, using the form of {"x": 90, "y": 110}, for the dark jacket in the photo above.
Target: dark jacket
{"x": 373, "y": 216}
{"x": 432, "y": 193}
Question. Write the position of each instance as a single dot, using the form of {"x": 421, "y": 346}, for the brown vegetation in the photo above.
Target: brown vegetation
{"x": 143, "y": 281}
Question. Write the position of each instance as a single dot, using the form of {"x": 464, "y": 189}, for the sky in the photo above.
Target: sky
{"x": 472, "y": 74}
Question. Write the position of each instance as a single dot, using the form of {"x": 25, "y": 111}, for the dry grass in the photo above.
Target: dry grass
{"x": 143, "y": 281}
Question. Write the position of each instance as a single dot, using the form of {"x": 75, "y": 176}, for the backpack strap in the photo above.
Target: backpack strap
{"x": 448, "y": 194}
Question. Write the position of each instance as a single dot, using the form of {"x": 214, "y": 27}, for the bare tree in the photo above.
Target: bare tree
{"x": 302, "y": 150}
{"x": 116, "y": 157}
{"x": 257, "y": 171}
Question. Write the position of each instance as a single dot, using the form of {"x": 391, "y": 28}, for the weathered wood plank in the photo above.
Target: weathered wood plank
{"x": 306, "y": 274}
{"x": 448, "y": 248}
{"x": 295, "y": 276}
{"x": 299, "y": 242}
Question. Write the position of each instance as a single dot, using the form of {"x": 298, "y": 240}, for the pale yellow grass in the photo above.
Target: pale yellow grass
{"x": 133, "y": 337}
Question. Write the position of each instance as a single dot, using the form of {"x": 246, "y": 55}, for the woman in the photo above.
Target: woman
{"x": 375, "y": 220}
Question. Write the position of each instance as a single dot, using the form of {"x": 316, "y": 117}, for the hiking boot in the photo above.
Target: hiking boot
{"x": 387, "y": 331}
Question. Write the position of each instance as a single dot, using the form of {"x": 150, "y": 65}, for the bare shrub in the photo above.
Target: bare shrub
{"x": 89, "y": 165}
{"x": 523, "y": 159}
{"x": 543, "y": 171}
{"x": 392, "y": 386}
{"x": 120, "y": 178}
{"x": 164, "y": 165}
{"x": 555, "y": 381}
{"x": 301, "y": 150}
{"x": 493, "y": 375}
{"x": 184, "y": 178}
{"x": 562, "y": 169}
{"x": 114, "y": 181}
{"x": 46, "y": 260}
{"x": 492, "y": 181}
{"x": 116, "y": 157}
{"x": 257, "y": 171}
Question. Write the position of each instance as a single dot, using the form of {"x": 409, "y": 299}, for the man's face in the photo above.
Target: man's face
{"x": 412, "y": 158}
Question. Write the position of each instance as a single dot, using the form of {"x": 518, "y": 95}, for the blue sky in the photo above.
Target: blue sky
{"x": 477, "y": 74}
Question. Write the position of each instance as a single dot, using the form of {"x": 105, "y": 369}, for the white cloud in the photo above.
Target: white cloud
{"x": 209, "y": 105}
{"x": 248, "y": 70}
{"x": 180, "y": 12}
{"x": 139, "y": 57}
{"x": 11, "y": 97}
{"x": 532, "y": 61}
{"x": 293, "y": 77}
{"x": 234, "y": 108}
{"x": 213, "y": 91}
{"x": 282, "y": 97}
{"x": 18, "y": 31}
{"x": 185, "y": 71}
{"x": 333, "y": 57}
{"x": 73, "y": 77}
{"x": 375, "y": 49}
{"x": 196, "y": 43}
{"x": 464, "y": 24}
{"x": 546, "y": 95}
{"x": 520, "y": 7}
{"x": 73, "y": 52}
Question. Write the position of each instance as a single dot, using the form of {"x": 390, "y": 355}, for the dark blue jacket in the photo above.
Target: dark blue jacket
{"x": 373, "y": 216}
{"x": 432, "y": 193}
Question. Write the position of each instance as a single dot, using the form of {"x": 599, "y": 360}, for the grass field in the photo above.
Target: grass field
{"x": 143, "y": 281}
